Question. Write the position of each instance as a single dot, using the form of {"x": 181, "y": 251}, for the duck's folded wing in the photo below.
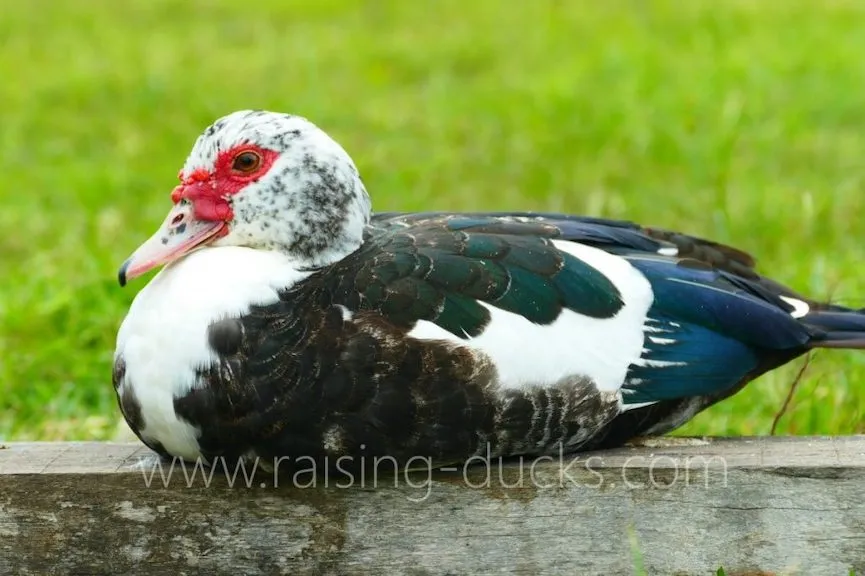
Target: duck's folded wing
{"x": 656, "y": 314}
{"x": 609, "y": 234}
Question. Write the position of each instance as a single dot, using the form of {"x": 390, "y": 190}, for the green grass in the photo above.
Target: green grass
{"x": 737, "y": 120}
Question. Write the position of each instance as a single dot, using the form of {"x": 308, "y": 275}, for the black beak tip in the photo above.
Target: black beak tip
{"x": 121, "y": 274}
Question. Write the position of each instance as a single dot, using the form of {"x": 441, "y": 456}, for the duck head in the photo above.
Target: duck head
{"x": 262, "y": 180}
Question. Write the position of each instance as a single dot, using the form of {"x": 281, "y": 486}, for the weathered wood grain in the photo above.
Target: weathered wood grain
{"x": 687, "y": 506}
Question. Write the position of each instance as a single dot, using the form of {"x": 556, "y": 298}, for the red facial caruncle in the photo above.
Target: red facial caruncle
{"x": 202, "y": 208}
{"x": 233, "y": 170}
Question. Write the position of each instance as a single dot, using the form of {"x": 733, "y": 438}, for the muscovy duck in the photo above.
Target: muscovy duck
{"x": 289, "y": 320}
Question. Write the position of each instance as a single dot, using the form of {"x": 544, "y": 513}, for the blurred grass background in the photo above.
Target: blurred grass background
{"x": 741, "y": 121}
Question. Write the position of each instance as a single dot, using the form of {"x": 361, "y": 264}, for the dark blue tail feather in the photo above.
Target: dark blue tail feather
{"x": 836, "y": 329}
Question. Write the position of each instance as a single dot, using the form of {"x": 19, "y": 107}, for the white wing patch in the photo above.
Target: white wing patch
{"x": 526, "y": 353}
{"x": 800, "y": 308}
{"x": 163, "y": 338}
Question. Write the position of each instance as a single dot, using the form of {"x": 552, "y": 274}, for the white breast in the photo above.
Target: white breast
{"x": 163, "y": 338}
{"x": 525, "y": 353}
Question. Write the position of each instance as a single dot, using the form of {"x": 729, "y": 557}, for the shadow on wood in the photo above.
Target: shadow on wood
{"x": 674, "y": 506}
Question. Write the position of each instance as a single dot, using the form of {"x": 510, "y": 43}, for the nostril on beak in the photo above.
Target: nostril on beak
{"x": 177, "y": 220}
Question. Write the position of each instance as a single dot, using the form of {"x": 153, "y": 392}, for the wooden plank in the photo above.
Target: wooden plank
{"x": 688, "y": 506}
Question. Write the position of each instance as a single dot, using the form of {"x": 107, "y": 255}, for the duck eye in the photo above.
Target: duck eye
{"x": 246, "y": 162}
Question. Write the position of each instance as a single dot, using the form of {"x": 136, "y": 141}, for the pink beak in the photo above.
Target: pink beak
{"x": 180, "y": 234}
